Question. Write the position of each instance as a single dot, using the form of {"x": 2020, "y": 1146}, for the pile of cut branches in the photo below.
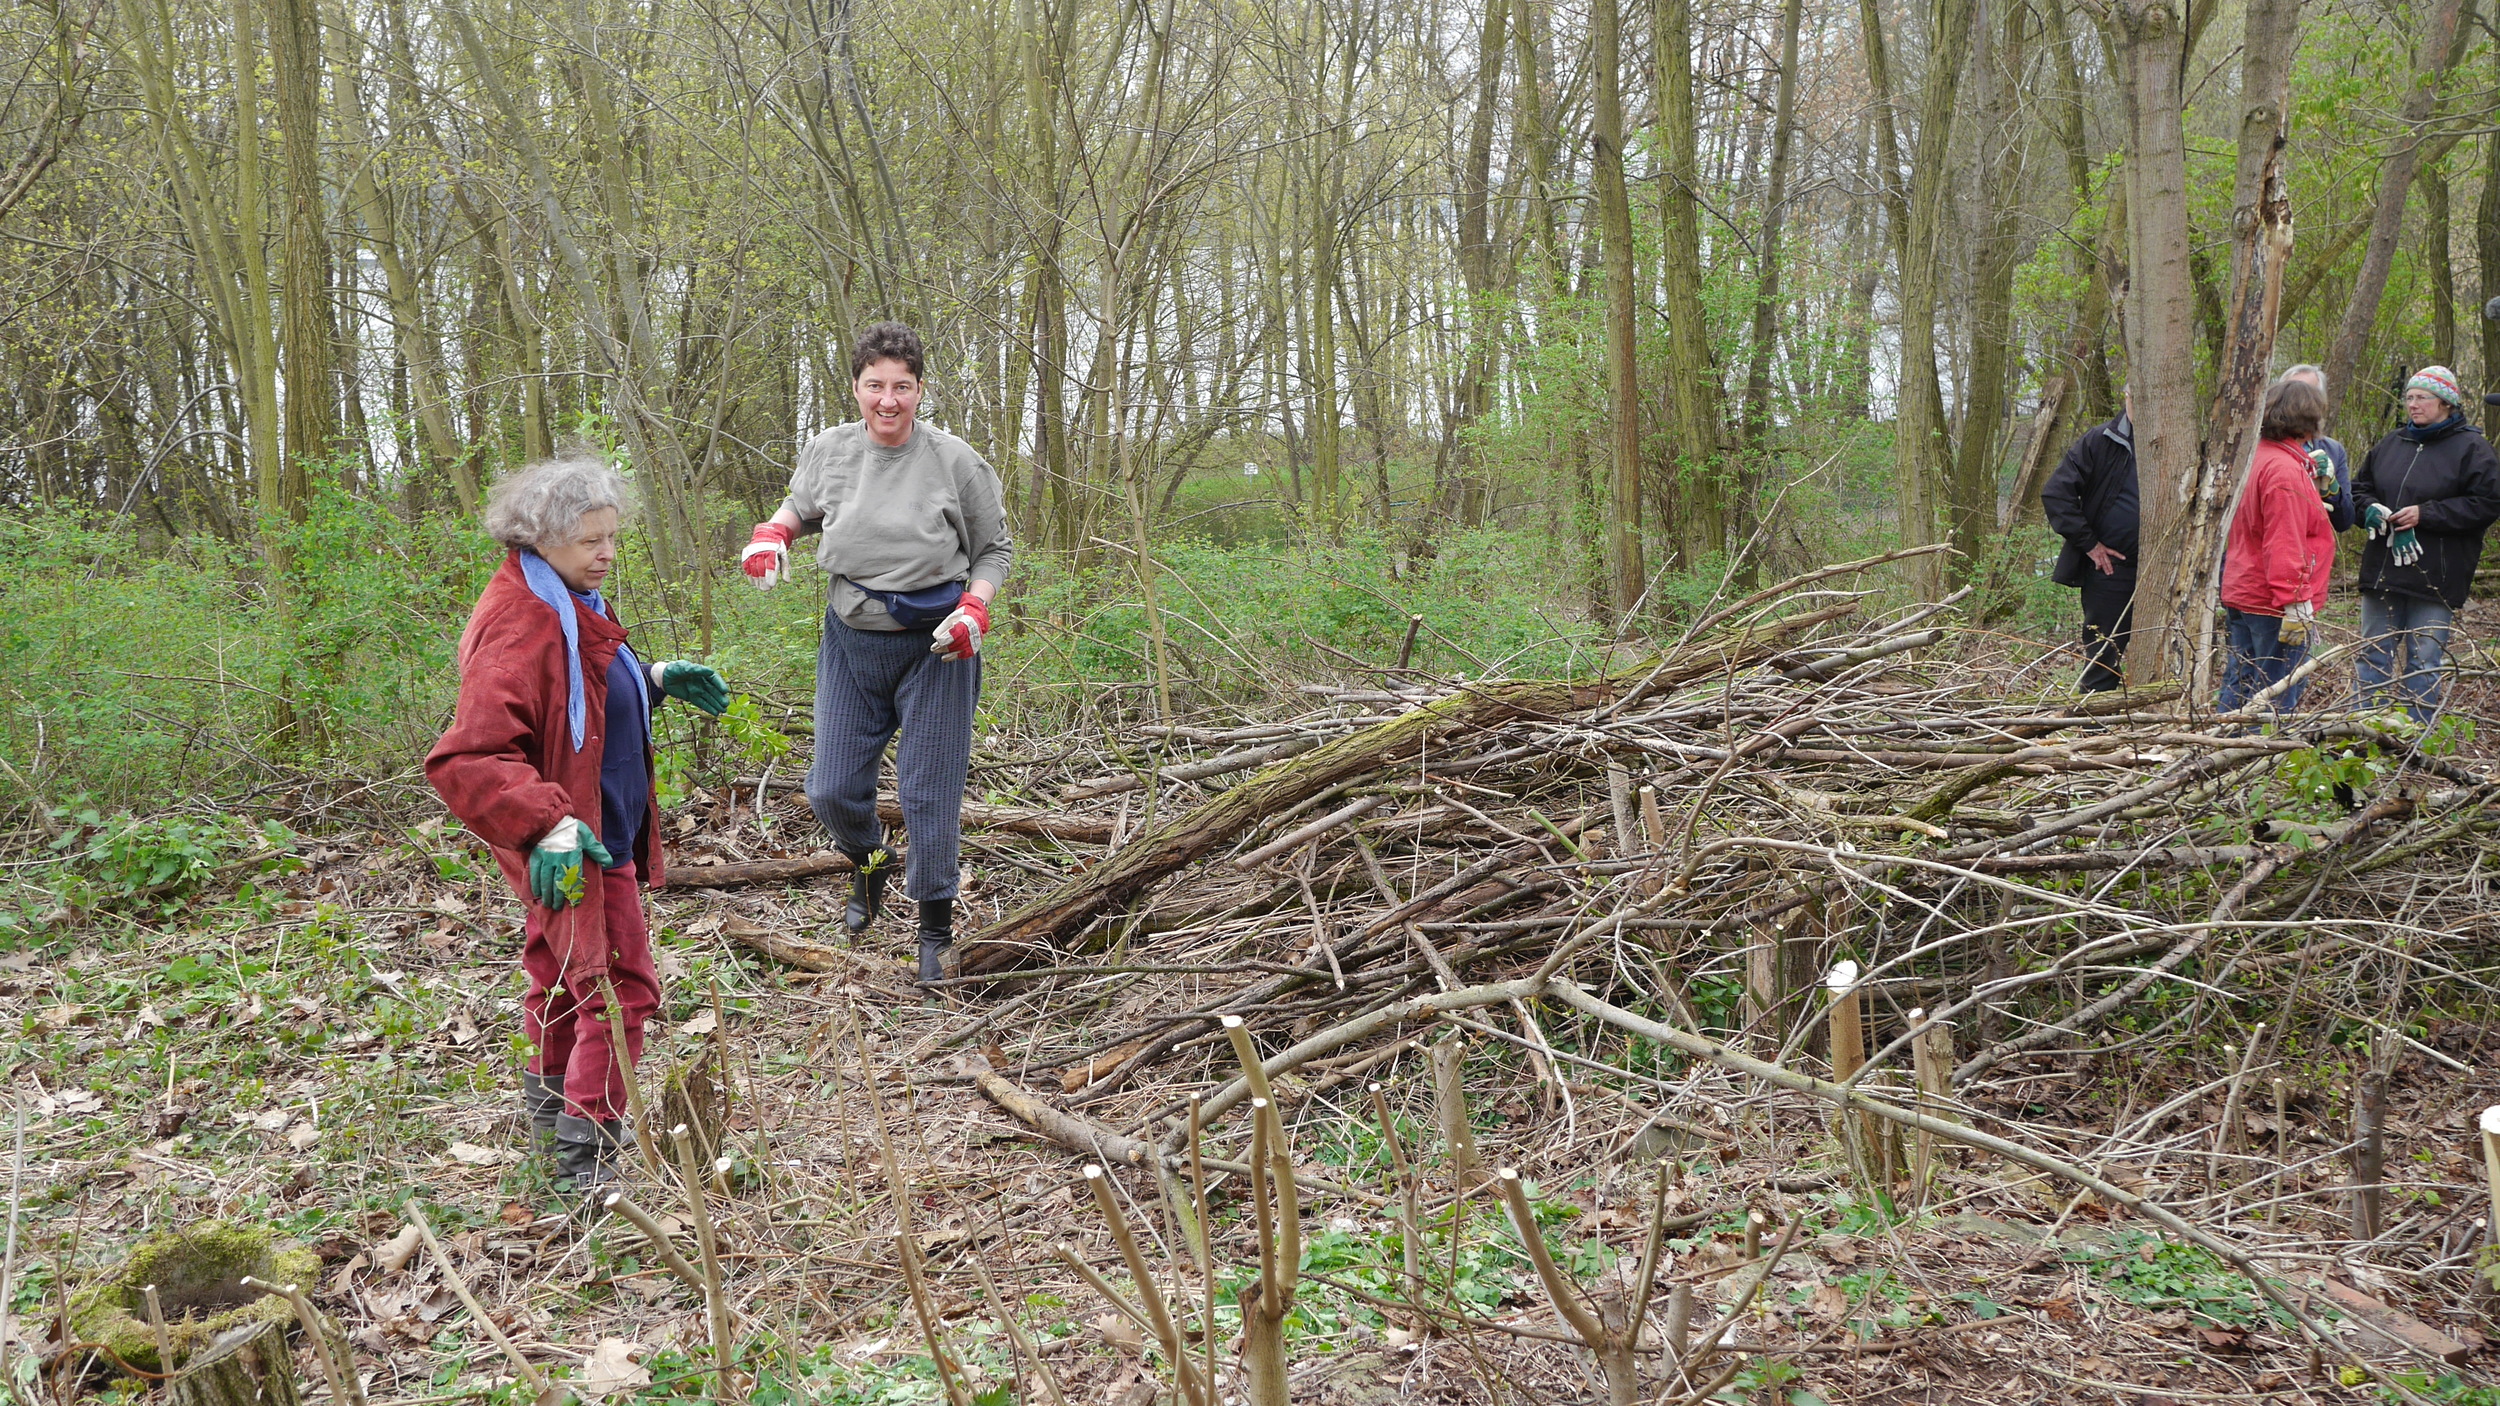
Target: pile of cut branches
{"x": 1803, "y": 855}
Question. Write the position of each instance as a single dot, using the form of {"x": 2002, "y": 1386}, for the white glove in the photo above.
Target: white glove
{"x": 958, "y": 636}
{"x": 2299, "y": 612}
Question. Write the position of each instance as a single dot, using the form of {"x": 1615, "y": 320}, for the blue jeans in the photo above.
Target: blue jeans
{"x": 2259, "y": 660}
{"x": 2404, "y": 643}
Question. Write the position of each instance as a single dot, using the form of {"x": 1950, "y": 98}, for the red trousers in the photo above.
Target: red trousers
{"x": 565, "y": 1013}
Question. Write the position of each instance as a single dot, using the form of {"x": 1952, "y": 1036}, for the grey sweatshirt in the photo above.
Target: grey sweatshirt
{"x": 899, "y": 519}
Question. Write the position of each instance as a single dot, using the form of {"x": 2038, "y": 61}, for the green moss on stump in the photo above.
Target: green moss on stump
{"x": 197, "y": 1273}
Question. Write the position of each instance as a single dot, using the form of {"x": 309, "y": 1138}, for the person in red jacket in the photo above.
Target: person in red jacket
{"x": 549, "y": 761}
{"x": 2280, "y": 552}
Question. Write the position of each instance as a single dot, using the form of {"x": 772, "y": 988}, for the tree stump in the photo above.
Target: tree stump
{"x": 696, "y": 1094}
{"x": 198, "y": 1273}
{"x": 245, "y": 1366}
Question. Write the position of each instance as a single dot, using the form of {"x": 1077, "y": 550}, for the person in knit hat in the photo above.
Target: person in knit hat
{"x": 2427, "y": 493}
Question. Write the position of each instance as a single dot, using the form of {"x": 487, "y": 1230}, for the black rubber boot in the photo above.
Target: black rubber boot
{"x": 589, "y": 1157}
{"x": 542, "y": 1101}
{"x": 867, "y": 889}
{"x": 937, "y": 932}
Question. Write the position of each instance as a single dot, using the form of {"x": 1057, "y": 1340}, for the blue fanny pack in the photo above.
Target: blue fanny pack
{"x": 916, "y": 610}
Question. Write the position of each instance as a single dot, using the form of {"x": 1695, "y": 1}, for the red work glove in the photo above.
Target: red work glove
{"x": 958, "y": 636}
{"x": 767, "y": 557}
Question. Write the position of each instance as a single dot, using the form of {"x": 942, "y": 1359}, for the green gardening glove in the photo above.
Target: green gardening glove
{"x": 2403, "y": 548}
{"x": 556, "y": 878}
{"x": 696, "y": 684}
{"x": 2375, "y": 518}
{"x": 2322, "y": 474}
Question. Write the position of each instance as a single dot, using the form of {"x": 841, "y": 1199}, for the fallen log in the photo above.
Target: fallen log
{"x": 1053, "y": 922}
{"x": 977, "y": 815}
{"x": 755, "y": 871}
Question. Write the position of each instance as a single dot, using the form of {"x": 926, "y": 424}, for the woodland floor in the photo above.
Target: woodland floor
{"x": 314, "y": 1053}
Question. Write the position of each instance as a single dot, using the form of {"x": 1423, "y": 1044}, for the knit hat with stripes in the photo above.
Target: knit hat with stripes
{"x": 2439, "y": 381}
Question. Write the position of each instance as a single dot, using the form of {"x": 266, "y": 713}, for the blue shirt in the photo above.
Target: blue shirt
{"x": 624, "y": 776}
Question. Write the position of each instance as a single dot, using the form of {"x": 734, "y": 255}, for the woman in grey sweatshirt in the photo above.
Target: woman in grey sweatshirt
{"x": 914, "y": 526}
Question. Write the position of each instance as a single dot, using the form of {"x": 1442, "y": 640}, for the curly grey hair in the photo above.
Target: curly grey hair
{"x": 541, "y": 502}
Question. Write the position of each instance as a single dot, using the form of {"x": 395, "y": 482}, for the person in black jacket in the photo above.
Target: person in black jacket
{"x": 2090, "y": 501}
{"x": 2427, "y": 493}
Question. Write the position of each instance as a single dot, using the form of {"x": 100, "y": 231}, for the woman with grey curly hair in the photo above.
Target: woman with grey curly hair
{"x": 549, "y": 760}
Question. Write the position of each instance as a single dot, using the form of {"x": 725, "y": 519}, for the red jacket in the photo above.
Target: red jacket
{"x": 2281, "y": 548}
{"x": 507, "y": 767}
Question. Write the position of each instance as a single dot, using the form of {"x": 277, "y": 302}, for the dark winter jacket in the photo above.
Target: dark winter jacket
{"x": 2090, "y": 501}
{"x": 508, "y": 767}
{"x": 2449, "y": 472}
{"x": 2340, "y": 512}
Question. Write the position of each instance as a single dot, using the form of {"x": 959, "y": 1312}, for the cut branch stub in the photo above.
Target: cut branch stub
{"x": 2491, "y": 1168}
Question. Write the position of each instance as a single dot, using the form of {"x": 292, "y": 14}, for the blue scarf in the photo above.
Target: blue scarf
{"x": 2436, "y": 430}
{"x": 545, "y": 584}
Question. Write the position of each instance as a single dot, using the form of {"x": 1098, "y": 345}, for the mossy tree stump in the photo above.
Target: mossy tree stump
{"x": 198, "y": 1274}
{"x": 248, "y": 1365}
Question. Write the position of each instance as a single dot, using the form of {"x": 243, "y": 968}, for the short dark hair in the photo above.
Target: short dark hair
{"x": 886, "y": 341}
{"x": 2294, "y": 410}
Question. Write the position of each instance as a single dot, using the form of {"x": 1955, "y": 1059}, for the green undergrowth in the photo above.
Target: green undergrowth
{"x": 188, "y": 669}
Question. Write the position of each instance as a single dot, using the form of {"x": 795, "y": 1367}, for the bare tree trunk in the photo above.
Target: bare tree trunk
{"x": 1478, "y": 270}
{"x": 1756, "y": 415}
{"x": 307, "y": 335}
{"x": 2441, "y": 260}
{"x": 1692, "y": 381}
{"x": 2089, "y": 359}
{"x": 2261, "y": 227}
{"x": 2487, "y": 255}
{"x": 1920, "y": 448}
{"x": 1972, "y": 501}
{"x": 1625, "y": 574}
{"x": 2149, "y": 40}
{"x": 2438, "y": 50}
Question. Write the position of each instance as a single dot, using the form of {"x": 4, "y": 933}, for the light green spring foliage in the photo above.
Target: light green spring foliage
{"x": 136, "y": 678}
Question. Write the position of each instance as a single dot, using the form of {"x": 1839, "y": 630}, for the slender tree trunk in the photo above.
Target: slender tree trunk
{"x": 1692, "y": 380}
{"x": 1920, "y": 445}
{"x": 1624, "y": 570}
{"x": 2487, "y": 255}
{"x": 309, "y": 338}
{"x": 2090, "y": 357}
{"x": 2149, "y": 41}
{"x": 250, "y": 201}
{"x": 2441, "y": 260}
{"x": 1972, "y": 498}
{"x": 2434, "y": 54}
{"x": 1756, "y": 415}
{"x": 1479, "y": 320}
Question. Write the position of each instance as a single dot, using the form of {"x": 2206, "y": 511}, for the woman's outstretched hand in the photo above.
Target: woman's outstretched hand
{"x": 697, "y": 685}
